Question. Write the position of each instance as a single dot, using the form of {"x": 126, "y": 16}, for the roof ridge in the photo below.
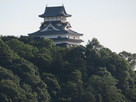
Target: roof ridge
{"x": 53, "y": 6}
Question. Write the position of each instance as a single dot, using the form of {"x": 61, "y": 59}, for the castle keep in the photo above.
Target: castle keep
{"x": 56, "y": 27}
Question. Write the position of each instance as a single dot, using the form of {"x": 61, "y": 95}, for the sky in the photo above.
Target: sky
{"x": 112, "y": 22}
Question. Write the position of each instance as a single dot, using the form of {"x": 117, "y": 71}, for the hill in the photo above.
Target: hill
{"x": 33, "y": 70}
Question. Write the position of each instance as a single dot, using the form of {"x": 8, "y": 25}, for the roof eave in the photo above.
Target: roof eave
{"x": 68, "y": 15}
{"x": 42, "y": 16}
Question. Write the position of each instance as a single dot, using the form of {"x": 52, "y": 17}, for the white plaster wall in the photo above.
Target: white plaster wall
{"x": 62, "y": 36}
{"x": 73, "y": 37}
{"x": 59, "y": 18}
{"x": 55, "y": 36}
{"x": 52, "y": 18}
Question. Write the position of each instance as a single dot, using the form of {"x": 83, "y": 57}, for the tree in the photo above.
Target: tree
{"x": 7, "y": 54}
{"x": 131, "y": 58}
{"x": 24, "y": 50}
{"x": 10, "y": 89}
{"x": 52, "y": 86}
{"x": 104, "y": 85}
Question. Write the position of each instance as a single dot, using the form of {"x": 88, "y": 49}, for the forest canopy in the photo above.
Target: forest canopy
{"x": 33, "y": 70}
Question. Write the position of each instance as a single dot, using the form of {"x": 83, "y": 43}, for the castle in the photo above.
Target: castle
{"x": 56, "y": 27}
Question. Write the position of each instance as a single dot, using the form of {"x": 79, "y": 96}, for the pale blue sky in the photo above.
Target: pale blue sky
{"x": 112, "y": 22}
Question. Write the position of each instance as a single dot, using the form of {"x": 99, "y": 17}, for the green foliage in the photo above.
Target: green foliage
{"x": 6, "y": 54}
{"x": 35, "y": 70}
{"x": 105, "y": 83}
{"x": 131, "y": 58}
{"x": 9, "y": 87}
{"x": 52, "y": 86}
{"x": 24, "y": 50}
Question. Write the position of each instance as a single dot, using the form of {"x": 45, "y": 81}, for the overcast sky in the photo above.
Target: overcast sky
{"x": 112, "y": 22}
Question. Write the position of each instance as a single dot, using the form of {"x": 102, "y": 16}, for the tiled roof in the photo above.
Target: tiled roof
{"x": 53, "y": 32}
{"x": 54, "y": 11}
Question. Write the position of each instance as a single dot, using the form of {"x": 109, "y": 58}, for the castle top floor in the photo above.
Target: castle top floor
{"x": 57, "y": 13}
